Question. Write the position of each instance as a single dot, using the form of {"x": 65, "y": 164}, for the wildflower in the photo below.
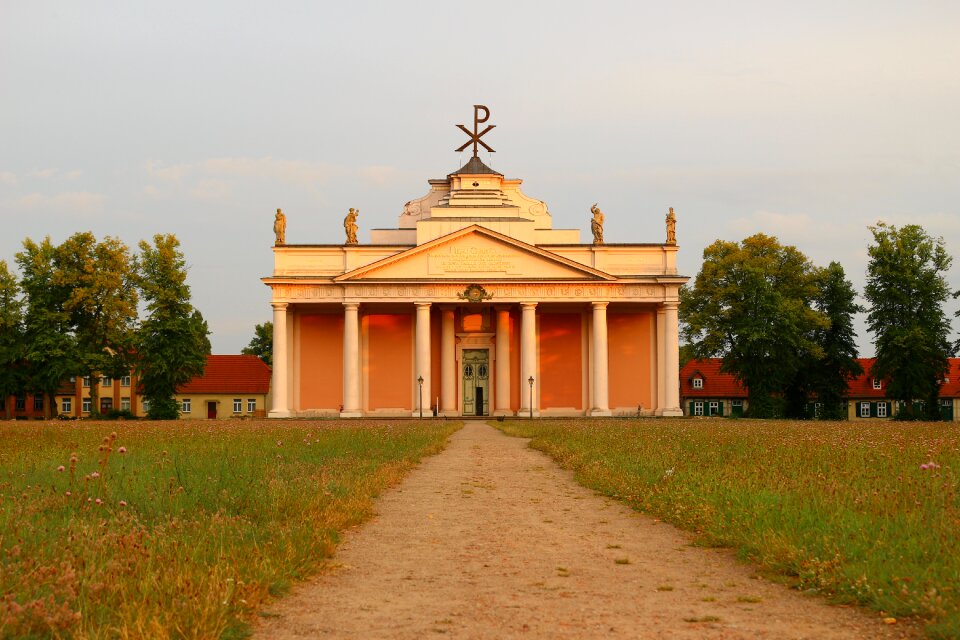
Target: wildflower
{"x": 123, "y": 503}
{"x": 68, "y": 494}
{"x": 61, "y": 468}
{"x": 95, "y": 475}
{"x": 122, "y": 450}
{"x": 99, "y": 501}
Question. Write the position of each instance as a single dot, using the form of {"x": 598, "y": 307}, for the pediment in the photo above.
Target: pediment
{"x": 475, "y": 253}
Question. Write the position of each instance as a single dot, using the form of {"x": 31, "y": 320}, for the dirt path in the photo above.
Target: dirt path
{"x": 491, "y": 539}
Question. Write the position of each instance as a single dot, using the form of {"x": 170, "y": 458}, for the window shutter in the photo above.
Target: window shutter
{"x": 873, "y": 409}
{"x": 721, "y": 408}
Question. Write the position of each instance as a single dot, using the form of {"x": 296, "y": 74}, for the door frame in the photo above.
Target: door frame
{"x": 470, "y": 341}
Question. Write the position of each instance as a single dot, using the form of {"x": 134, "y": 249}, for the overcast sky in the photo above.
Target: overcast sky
{"x": 804, "y": 120}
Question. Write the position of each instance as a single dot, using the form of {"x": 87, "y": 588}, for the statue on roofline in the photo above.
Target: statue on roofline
{"x": 350, "y": 225}
{"x": 280, "y": 228}
{"x": 671, "y": 227}
{"x": 596, "y": 224}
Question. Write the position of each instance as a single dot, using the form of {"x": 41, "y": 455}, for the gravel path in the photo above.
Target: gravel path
{"x": 491, "y": 539}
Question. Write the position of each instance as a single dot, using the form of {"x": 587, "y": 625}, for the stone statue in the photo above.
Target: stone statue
{"x": 596, "y": 225}
{"x": 671, "y": 227}
{"x": 350, "y": 225}
{"x": 280, "y": 227}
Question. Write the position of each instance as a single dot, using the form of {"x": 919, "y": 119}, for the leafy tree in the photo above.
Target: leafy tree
{"x": 49, "y": 348}
{"x": 829, "y": 375}
{"x": 906, "y": 291}
{"x": 101, "y": 302}
{"x": 750, "y": 305}
{"x": 262, "y": 343}
{"x": 172, "y": 343}
{"x": 11, "y": 337}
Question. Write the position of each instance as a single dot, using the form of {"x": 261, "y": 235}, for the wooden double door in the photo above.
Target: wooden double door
{"x": 475, "y": 376}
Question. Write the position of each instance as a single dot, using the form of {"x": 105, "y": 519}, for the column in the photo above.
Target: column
{"x": 528, "y": 358}
{"x": 671, "y": 360}
{"x": 448, "y": 363}
{"x": 601, "y": 396}
{"x": 502, "y": 371}
{"x": 280, "y": 408}
{"x": 421, "y": 394}
{"x": 351, "y": 361}
{"x": 661, "y": 355}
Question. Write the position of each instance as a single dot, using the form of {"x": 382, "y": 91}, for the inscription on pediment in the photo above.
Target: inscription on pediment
{"x": 453, "y": 260}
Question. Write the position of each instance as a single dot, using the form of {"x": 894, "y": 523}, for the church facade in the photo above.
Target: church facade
{"x": 475, "y": 306}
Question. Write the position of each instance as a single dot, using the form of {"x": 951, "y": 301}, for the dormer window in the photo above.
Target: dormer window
{"x": 876, "y": 383}
{"x": 698, "y": 383}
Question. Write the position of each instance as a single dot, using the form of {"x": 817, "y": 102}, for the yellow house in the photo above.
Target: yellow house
{"x": 230, "y": 387}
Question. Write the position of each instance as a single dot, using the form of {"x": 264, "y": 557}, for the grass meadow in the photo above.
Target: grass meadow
{"x": 183, "y": 529}
{"x": 861, "y": 512}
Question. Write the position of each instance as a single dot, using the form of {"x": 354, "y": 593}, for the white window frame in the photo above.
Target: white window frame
{"x": 85, "y": 405}
{"x": 736, "y": 403}
{"x": 877, "y": 383}
{"x": 86, "y": 381}
{"x": 881, "y": 409}
{"x": 698, "y": 407}
{"x": 186, "y": 405}
{"x": 238, "y": 405}
{"x": 125, "y": 404}
{"x": 714, "y": 408}
{"x": 698, "y": 383}
{"x": 66, "y": 405}
{"x": 251, "y": 405}
{"x": 864, "y": 409}
{"x": 106, "y": 381}
{"x": 125, "y": 381}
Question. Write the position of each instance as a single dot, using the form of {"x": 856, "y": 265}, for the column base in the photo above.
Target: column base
{"x": 426, "y": 414}
{"x": 600, "y": 413}
{"x": 671, "y": 413}
{"x": 505, "y": 412}
{"x": 449, "y": 413}
{"x": 351, "y": 414}
{"x": 279, "y": 413}
{"x": 525, "y": 413}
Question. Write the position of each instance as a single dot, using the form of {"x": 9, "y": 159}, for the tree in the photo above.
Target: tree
{"x": 11, "y": 337}
{"x": 750, "y": 305}
{"x": 172, "y": 343}
{"x": 49, "y": 347}
{"x": 101, "y": 302}
{"x": 829, "y": 375}
{"x": 907, "y": 291}
{"x": 262, "y": 343}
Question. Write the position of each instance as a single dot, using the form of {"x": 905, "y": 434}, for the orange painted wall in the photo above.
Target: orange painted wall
{"x": 321, "y": 361}
{"x": 629, "y": 353}
{"x": 561, "y": 363}
{"x": 390, "y": 363}
{"x": 435, "y": 330}
{"x": 516, "y": 385}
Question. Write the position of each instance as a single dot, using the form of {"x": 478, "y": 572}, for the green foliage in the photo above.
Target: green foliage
{"x": 11, "y": 335}
{"x": 172, "y": 343}
{"x": 864, "y": 512}
{"x": 751, "y": 305}
{"x": 185, "y": 530}
{"x": 907, "y": 291}
{"x": 261, "y": 345}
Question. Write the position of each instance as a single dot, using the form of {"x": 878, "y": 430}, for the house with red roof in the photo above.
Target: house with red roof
{"x": 867, "y": 395}
{"x": 706, "y": 391}
{"x": 230, "y": 387}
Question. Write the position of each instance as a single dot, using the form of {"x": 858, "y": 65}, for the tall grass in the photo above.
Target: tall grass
{"x": 180, "y": 530}
{"x": 864, "y": 512}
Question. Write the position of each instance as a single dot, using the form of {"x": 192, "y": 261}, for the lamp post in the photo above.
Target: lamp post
{"x": 420, "y": 403}
{"x": 531, "y": 396}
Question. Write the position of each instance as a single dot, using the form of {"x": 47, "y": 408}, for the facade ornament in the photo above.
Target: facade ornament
{"x": 474, "y": 293}
{"x": 476, "y": 134}
{"x": 596, "y": 224}
{"x": 350, "y": 225}
{"x": 671, "y": 227}
{"x": 280, "y": 228}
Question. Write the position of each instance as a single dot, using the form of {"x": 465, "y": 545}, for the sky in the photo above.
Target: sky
{"x": 808, "y": 121}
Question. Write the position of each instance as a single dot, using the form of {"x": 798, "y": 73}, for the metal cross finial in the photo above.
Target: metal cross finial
{"x": 475, "y": 135}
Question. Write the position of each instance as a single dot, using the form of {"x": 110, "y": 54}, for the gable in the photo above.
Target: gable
{"x": 475, "y": 253}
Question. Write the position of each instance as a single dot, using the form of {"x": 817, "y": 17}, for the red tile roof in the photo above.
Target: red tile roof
{"x": 715, "y": 383}
{"x": 951, "y": 388}
{"x": 231, "y": 374}
{"x": 862, "y": 386}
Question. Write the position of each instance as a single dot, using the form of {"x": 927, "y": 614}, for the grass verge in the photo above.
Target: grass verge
{"x": 183, "y": 529}
{"x": 863, "y": 512}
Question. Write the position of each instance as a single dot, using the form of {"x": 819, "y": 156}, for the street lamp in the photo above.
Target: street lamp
{"x": 420, "y": 382}
{"x": 531, "y": 396}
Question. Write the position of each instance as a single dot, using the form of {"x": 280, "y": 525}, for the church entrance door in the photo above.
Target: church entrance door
{"x": 476, "y": 382}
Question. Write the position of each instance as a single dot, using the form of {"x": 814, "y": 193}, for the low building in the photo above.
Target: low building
{"x": 230, "y": 387}
{"x": 867, "y": 395}
{"x": 706, "y": 391}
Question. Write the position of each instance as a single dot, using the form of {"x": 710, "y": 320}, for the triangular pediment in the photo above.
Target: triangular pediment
{"x": 475, "y": 253}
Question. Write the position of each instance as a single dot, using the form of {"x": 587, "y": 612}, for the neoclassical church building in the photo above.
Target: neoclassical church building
{"x": 475, "y": 306}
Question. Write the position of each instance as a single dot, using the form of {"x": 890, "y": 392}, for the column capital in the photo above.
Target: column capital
{"x": 502, "y": 307}
{"x": 600, "y": 304}
{"x": 670, "y": 305}
{"x": 423, "y": 304}
{"x": 351, "y": 305}
{"x": 279, "y": 306}
{"x": 528, "y": 305}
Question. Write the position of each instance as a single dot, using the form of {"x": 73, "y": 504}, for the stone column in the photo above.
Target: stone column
{"x": 671, "y": 360}
{"x": 448, "y": 363}
{"x": 502, "y": 371}
{"x": 528, "y": 357}
{"x": 422, "y": 363}
{"x": 278, "y": 384}
{"x": 601, "y": 396}
{"x": 351, "y": 361}
{"x": 661, "y": 355}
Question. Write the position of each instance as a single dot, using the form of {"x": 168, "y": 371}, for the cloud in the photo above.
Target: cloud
{"x": 212, "y": 190}
{"x": 379, "y": 174}
{"x": 77, "y": 202}
{"x": 173, "y": 173}
{"x": 8, "y": 177}
{"x": 291, "y": 171}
